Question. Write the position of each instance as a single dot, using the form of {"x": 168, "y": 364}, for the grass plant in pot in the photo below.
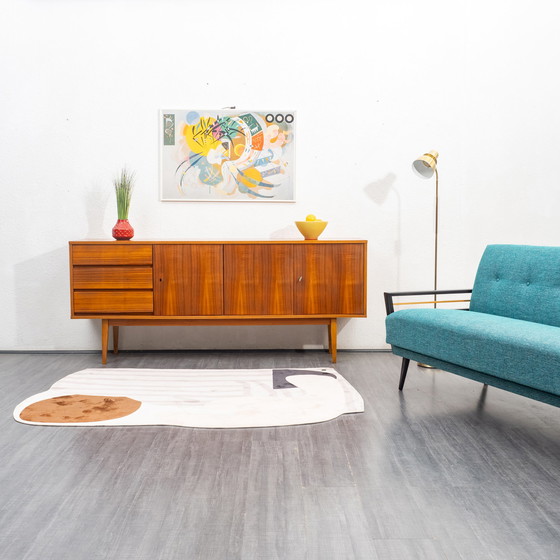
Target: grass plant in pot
{"x": 124, "y": 182}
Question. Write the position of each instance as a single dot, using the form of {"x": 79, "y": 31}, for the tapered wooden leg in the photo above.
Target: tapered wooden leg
{"x": 404, "y": 369}
{"x": 115, "y": 340}
{"x": 332, "y": 340}
{"x": 104, "y": 340}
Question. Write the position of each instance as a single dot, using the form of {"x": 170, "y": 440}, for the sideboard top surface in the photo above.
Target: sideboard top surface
{"x": 217, "y": 242}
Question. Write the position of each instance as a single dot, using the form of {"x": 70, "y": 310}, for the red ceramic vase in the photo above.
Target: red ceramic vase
{"x": 123, "y": 231}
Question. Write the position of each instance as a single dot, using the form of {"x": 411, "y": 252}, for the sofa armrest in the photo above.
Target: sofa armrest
{"x": 390, "y": 304}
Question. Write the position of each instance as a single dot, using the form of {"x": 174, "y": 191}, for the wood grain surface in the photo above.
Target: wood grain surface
{"x": 188, "y": 280}
{"x": 113, "y": 277}
{"x": 109, "y": 254}
{"x": 258, "y": 279}
{"x": 332, "y": 279}
{"x": 113, "y": 301}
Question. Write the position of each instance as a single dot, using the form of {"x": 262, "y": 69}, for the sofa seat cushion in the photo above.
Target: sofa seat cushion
{"x": 520, "y": 351}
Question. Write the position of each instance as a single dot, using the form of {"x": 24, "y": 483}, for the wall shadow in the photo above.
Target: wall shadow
{"x": 42, "y": 296}
{"x": 379, "y": 192}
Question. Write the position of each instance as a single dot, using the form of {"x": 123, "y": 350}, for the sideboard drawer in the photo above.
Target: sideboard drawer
{"x": 111, "y": 254}
{"x": 114, "y": 302}
{"x": 113, "y": 277}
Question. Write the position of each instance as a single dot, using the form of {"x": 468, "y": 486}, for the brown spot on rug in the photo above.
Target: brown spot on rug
{"x": 79, "y": 408}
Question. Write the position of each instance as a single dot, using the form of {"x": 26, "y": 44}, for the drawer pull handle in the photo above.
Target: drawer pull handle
{"x": 300, "y": 279}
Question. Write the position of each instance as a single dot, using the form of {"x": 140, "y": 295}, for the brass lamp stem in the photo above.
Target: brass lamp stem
{"x": 435, "y": 260}
{"x": 423, "y": 167}
{"x": 436, "y": 237}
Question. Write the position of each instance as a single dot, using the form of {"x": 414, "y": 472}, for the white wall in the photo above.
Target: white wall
{"x": 375, "y": 84}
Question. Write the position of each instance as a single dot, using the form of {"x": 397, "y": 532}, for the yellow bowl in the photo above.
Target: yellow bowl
{"x": 311, "y": 230}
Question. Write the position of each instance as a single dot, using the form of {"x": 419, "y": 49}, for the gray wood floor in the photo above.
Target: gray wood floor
{"x": 442, "y": 471}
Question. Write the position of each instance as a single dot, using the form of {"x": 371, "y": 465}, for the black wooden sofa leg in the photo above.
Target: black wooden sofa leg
{"x": 404, "y": 369}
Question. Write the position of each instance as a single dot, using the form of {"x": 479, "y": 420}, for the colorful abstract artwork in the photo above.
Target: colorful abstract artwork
{"x": 227, "y": 155}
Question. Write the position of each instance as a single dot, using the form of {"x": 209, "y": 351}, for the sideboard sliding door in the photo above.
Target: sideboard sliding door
{"x": 331, "y": 279}
{"x": 258, "y": 279}
{"x": 188, "y": 280}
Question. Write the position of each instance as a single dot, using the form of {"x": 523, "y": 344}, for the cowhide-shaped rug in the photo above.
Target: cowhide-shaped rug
{"x": 205, "y": 398}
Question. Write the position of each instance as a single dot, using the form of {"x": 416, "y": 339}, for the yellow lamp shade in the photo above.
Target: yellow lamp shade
{"x": 426, "y": 164}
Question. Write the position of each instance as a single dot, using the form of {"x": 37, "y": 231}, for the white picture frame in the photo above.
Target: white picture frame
{"x": 227, "y": 155}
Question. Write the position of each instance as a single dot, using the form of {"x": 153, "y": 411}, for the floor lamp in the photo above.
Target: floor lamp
{"x": 425, "y": 166}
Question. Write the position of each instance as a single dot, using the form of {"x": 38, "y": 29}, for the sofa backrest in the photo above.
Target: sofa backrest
{"x": 519, "y": 281}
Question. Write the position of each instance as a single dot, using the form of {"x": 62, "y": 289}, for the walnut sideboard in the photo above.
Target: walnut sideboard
{"x": 217, "y": 283}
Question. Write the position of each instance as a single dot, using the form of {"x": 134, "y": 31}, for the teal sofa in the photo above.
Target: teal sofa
{"x": 510, "y": 335}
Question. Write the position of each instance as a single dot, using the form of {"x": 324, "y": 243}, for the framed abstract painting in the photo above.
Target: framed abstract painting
{"x": 227, "y": 155}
